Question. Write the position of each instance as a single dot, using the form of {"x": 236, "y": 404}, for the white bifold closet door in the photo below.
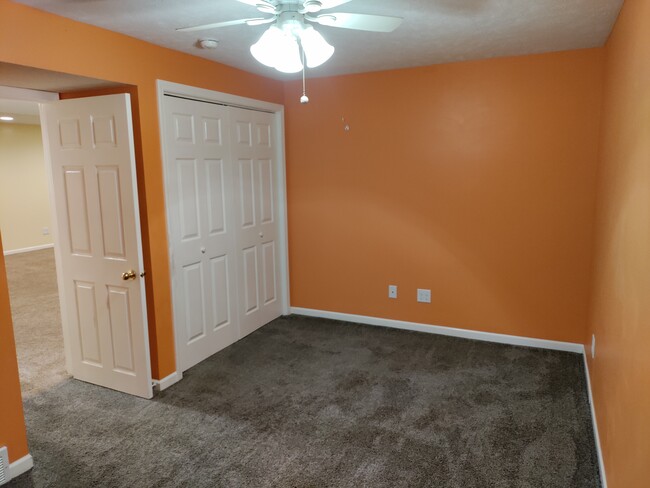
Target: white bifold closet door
{"x": 222, "y": 206}
{"x": 255, "y": 218}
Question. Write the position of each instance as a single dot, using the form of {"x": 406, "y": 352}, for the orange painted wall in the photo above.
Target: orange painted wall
{"x": 620, "y": 316}
{"x": 12, "y": 424}
{"x": 475, "y": 180}
{"x": 34, "y": 38}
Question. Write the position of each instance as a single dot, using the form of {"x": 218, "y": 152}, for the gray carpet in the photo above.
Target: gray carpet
{"x": 314, "y": 403}
{"x": 37, "y": 320}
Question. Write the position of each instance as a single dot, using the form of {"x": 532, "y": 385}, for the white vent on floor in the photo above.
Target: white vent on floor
{"x": 4, "y": 466}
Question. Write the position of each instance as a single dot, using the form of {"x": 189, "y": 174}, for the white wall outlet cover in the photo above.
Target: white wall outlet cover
{"x": 424, "y": 296}
{"x": 46, "y": 231}
{"x": 392, "y": 291}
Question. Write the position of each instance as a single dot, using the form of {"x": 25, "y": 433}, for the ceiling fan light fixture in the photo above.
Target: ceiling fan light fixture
{"x": 278, "y": 49}
{"x": 289, "y": 61}
{"x": 264, "y": 50}
{"x": 317, "y": 49}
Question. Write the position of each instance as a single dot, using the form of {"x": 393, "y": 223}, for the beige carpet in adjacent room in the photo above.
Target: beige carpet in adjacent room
{"x": 37, "y": 320}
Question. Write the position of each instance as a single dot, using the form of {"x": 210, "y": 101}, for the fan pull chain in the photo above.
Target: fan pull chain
{"x": 304, "y": 99}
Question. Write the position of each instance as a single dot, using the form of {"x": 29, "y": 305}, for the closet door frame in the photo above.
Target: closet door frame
{"x": 202, "y": 95}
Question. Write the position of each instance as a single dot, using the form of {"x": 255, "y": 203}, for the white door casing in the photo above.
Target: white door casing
{"x": 198, "y": 175}
{"x": 89, "y": 145}
{"x": 256, "y": 218}
{"x": 274, "y": 300}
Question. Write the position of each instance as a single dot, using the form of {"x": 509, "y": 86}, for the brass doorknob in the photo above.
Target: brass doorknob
{"x": 129, "y": 275}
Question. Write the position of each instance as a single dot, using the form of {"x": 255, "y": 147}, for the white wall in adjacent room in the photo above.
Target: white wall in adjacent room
{"x": 24, "y": 198}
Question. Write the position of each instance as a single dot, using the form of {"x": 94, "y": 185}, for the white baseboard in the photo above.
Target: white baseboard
{"x": 21, "y": 466}
{"x": 601, "y": 462}
{"x": 168, "y": 381}
{"x": 448, "y": 331}
{"x": 28, "y": 249}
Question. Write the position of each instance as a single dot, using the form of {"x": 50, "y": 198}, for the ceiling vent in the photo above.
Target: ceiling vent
{"x": 4, "y": 466}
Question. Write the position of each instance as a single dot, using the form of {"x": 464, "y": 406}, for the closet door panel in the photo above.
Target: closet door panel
{"x": 198, "y": 178}
{"x": 257, "y": 232}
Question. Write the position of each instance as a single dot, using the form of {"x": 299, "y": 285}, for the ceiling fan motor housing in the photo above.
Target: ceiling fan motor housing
{"x": 291, "y": 21}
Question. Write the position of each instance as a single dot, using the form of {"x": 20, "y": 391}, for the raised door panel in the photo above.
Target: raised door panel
{"x": 220, "y": 276}
{"x": 244, "y": 133}
{"x": 195, "y": 307}
{"x": 212, "y": 130}
{"x": 69, "y": 132}
{"x": 216, "y": 196}
{"x": 86, "y": 311}
{"x": 264, "y": 134}
{"x": 76, "y": 205}
{"x": 188, "y": 198}
{"x": 183, "y": 128}
{"x": 103, "y": 131}
{"x": 269, "y": 273}
{"x": 266, "y": 186}
{"x": 110, "y": 204}
{"x": 246, "y": 193}
{"x": 121, "y": 326}
{"x": 250, "y": 278}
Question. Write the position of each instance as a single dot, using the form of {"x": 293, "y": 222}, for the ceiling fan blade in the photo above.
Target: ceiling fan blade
{"x": 260, "y": 21}
{"x": 332, "y": 3}
{"x": 365, "y": 22}
{"x": 255, "y": 3}
{"x": 225, "y": 24}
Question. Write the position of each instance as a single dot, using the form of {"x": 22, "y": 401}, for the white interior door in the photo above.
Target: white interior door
{"x": 199, "y": 196}
{"x": 89, "y": 144}
{"x": 256, "y": 217}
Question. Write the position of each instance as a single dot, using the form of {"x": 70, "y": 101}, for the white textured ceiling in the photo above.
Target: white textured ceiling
{"x": 433, "y": 31}
{"x": 23, "y": 112}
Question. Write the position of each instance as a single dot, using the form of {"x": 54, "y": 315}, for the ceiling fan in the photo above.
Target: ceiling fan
{"x": 291, "y": 38}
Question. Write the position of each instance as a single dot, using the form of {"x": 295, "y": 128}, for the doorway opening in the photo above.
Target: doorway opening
{"x": 25, "y": 223}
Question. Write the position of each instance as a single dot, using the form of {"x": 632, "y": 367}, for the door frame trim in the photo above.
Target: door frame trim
{"x": 204, "y": 95}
